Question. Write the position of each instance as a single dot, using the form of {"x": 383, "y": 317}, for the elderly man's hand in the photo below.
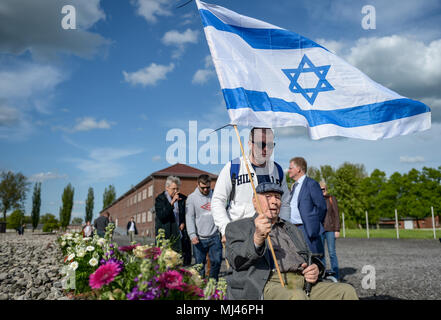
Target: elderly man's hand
{"x": 311, "y": 272}
{"x": 263, "y": 228}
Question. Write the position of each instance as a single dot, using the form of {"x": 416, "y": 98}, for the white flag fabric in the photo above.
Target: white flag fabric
{"x": 272, "y": 77}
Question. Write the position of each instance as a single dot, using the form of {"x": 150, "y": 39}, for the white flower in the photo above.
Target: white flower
{"x": 81, "y": 253}
{"x": 71, "y": 256}
{"x": 101, "y": 241}
{"x": 63, "y": 244}
{"x": 90, "y": 248}
{"x": 93, "y": 262}
{"x": 86, "y": 238}
{"x": 74, "y": 265}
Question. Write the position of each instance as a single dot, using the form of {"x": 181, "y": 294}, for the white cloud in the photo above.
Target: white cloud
{"x": 103, "y": 164}
{"x": 9, "y": 116}
{"x": 23, "y": 23}
{"x": 44, "y": 176}
{"x": 152, "y": 9}
{"x": 25, "y": 80}
{"x": 407, "y": 66}
{"x": 176, "y": 38}
{"x": 201, "y": 76}
{"x": 407, "y": 159}
{"x": 88, "y": 123}
{"x": 156, "y": 158}
{"x": 148, "y": 76}
{"x": 331, "y": 45}
{"x": 180, "y": 40}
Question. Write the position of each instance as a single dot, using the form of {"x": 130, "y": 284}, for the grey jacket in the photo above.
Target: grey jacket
{"x": 198, "y": 217}
{"x": 251, "y": 270}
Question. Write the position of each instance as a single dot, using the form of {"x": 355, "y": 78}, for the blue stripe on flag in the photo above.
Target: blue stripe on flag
{"x": 257, "y": 38}
{"x": 348, "y": 118}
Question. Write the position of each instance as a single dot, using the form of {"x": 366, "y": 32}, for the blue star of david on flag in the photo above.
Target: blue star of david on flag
{"x": 310, "y": 94}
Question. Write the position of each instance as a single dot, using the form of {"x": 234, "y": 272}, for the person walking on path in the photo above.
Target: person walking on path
{"x": 201, "y": 229}
{"x": 308, "y": 206}
{"x": 170, "y": 216}
{"x": 101, "y": 223}
{"x": 131, "y": 229}
{"x": 332, "y": 229}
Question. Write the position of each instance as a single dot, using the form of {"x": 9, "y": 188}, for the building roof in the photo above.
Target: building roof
{"x": 181, "y": 170}
{"x": 178, "y": 169}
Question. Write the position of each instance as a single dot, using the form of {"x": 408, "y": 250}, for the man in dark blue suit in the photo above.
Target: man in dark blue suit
{"x": 308, "y": 206}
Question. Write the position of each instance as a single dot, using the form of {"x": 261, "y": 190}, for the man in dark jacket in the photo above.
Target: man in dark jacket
{"x": 131, "y": 229}
{"x": 308, "y": 207}
{"x": 101, "y": 223}
{"x": 253, "y": 274}
{"x": 170, "y": 216}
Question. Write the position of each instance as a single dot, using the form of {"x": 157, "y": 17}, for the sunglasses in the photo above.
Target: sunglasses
{"x": 262, "y": 145}
{"x": 205, "y": 188}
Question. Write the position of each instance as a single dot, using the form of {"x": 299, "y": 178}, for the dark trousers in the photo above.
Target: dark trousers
{"x": 212, "y": 246}
{"x": 186, "y": 248}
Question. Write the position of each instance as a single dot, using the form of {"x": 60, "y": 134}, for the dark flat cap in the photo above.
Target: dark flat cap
{"x": 265, "y": 187}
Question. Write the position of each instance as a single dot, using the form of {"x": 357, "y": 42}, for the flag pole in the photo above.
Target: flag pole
{"x": 259, "y": 208}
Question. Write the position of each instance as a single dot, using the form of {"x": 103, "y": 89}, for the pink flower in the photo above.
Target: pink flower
{"x": 105, "y": 274}
{"x": 194, "y": 290}
{"x": 128, "y": 248}
{"x": 152, "y": 253}
{"x": 171, "y": 280}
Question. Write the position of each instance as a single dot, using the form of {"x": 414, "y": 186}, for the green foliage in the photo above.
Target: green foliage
{"x": 89, "y": 205}
{"x": 13, "y": 189}
{"x": 49, "y": 222}
{"x": 412, "y": 193}
{"x": 346, "y": 187}
{"x": 15, "y": 219}
{"x": 36, "y": 204}
{"x": 67, "y": 205}
{"x": 109, "y": 196}
{"x": 77, "y": 221}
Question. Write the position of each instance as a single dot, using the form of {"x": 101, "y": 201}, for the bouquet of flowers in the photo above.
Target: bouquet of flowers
{"x": 163, "y": 278}
{"x": 135, "y": 272}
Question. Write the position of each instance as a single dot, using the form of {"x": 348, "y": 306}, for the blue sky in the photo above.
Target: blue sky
{"x": 93, "y": 106}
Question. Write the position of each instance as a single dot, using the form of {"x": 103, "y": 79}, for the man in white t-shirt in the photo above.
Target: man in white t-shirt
{"x": 233, "y": 193}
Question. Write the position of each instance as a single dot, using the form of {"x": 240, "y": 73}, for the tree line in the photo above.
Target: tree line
{"x": 14, "y": 188}
{"x": 412, "y": 194}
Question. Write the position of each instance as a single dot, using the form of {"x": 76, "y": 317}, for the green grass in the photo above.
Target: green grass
{"x": 392, "y": 234}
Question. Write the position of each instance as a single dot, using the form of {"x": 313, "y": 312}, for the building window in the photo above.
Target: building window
{"x": 143, "y": 217}
{"x": 134, "y": 198}
{"x": 144, "y": 194}
{"x": 116, "y": 222}
{"x": 138, "y": 218}
{"x": 139, "y": 196}
{"x": 149, "y": 216}
{"x": 151, "y": 191}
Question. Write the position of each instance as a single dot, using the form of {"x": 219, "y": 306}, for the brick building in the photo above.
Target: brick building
{"x": 139, "y": 201}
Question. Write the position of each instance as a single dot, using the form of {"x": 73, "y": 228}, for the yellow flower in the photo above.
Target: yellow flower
{"x": 139, "y": 251}
{"x": 171, "y": 258}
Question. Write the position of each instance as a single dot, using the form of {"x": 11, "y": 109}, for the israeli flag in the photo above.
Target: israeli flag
{"x": 272, "y": 77}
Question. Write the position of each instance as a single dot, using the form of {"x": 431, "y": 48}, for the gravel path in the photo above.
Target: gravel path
{"x": 404, "y": 269}
{"x": 29, "y": 267}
